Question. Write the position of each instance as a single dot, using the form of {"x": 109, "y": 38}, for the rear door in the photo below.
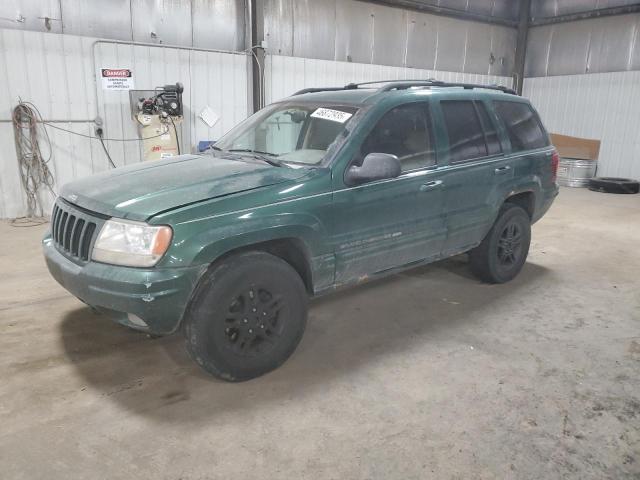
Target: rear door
{"x": 476, "y": 164}
{"x": 529, "y": 142}
{"x": 389, "y": 223}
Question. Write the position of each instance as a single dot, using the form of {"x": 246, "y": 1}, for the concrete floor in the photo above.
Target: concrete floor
{"x": 428, "y": 374}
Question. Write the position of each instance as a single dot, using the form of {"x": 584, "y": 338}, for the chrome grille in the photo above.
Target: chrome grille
{"x": 72, "y": 231}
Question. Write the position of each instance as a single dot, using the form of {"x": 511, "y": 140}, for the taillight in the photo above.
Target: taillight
{"x": 555, "y": 161}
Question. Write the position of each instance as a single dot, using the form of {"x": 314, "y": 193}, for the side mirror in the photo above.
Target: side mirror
{"x": 375, "y": 166}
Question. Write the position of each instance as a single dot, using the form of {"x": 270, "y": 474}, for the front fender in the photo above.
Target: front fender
{"x": 218, "y": 241}
{"x": 302, "y": 211}
{"x": 204, "y": 231}
{"x": 219, "y": 238}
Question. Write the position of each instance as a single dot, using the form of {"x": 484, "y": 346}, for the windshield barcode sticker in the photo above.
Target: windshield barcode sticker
{"x": 333, "y": 115}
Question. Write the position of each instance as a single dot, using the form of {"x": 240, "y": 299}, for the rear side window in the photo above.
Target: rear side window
{"x": 466, "y": 137}
{"x": 490, "y": 132}
{"x": 522, "y": 124}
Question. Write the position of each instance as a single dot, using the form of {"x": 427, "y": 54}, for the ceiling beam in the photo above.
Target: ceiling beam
{"x": 572, "y": 17}
{"x": 446, "y": 12}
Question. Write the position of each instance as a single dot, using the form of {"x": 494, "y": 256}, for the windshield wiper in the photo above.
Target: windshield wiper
{"x": 213, "y": 147}
{"x": 259, "y": 155}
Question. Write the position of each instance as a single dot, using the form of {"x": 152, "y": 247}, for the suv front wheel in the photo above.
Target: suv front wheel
{"x": 502, "y": 253}
{"x": 247, "y": 316}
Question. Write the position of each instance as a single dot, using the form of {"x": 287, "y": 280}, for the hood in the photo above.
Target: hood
{"x": 143, "y": 190}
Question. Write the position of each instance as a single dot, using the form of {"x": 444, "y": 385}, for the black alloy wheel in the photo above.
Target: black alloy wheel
{"x": 254, "y": 323}
{"x": 503, "y": 251}
{"x": 510, "y": 244}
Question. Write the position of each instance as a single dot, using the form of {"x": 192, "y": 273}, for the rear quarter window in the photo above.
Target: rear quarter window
{"x": 523, "y": 125}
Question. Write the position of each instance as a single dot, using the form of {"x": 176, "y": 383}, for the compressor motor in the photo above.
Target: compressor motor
{"x": 167, "y": 100}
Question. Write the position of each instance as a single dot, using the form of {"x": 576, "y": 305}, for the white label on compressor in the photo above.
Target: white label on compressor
{"x": 333, "y": 115}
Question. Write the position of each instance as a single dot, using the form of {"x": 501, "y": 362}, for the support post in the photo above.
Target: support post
{"x": 521, "y": 45}
{"x": 256, "y": 37}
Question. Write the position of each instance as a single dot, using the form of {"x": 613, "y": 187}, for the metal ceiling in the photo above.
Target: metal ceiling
{"x": 505, "y": 12}
{"x": 542, "y": 10}
{"x": 500, "y": 12}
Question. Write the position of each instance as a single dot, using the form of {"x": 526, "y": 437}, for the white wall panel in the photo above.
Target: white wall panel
{"x": 597, "y": 45}
{"x": 285, "y": 75}
{"x": 364, "y": 32}
{"x": 56, "y": 73}
{"x": 602, "y": 106}
{"x": 212, "y": 24}
{"x": 104, "y": 19}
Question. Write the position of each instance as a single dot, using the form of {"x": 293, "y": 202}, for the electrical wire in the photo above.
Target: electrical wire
{"x": 22, "y": 222}
{"x": 101, "y": 139}
{"x": 48, "y": 124}
{"x": 251, "y": 50}
{"x": 35, "y": 174}
{"x": 106, "y": 152}
{"x": 175, "y": 130}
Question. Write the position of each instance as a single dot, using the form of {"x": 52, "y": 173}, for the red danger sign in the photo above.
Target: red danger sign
{"x": 117, "y": 79}
{"x": 116, "y": 72}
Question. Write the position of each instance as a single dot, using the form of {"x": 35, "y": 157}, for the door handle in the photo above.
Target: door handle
{"x": 502, "y": 170}
{"x": 430, "y": 185}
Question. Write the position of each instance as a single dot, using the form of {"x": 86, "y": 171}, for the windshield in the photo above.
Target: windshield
{"x": 292, "y": 133}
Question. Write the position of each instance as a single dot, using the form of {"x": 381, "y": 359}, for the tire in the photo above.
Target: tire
{"x": 247, "y": 316}
{"x": 613, "y": 185}
{"x": 503, "y": 252}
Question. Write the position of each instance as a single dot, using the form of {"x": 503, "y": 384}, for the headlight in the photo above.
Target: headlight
{"x": 134, "y": 244}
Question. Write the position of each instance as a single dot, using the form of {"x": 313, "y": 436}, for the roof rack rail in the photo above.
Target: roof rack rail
{"x": 405, "y": 84}
{"x": 324, "y": 89}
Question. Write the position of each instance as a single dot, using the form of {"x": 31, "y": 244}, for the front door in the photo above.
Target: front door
{"x": 390, "y": 223}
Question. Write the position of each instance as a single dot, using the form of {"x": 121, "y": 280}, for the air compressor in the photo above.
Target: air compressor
{"x": 159, "y": 115}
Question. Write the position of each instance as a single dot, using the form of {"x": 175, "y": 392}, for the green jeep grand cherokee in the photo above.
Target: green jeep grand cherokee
{"x": 323, "y": 189}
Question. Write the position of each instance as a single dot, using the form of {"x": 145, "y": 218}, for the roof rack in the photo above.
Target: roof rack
{"x": 405, "y": 84}
{"x": 402, "y": 85}
{"x": 325, "y": 89}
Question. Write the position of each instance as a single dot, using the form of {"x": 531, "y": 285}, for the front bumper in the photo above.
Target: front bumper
{"x": 158, "y": 297}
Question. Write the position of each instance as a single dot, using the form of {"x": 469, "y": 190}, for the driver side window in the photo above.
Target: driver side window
{"x": 406, "y": 132}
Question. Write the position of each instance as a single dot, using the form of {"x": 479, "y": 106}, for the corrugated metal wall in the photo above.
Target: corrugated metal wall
{"x": 360, "y": 32}
{"x": 310, "y": 43}
{"x": 603, "y": 106}
{"x": 584, "y": 78}
{"x": 210, "y": 24}
{"x": 56, "y": 73}
{"x": 284, "y": 75}
{"x": 605, "y": 44}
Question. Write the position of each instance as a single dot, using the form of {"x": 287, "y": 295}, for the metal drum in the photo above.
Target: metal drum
{"x": 573, "y": 172}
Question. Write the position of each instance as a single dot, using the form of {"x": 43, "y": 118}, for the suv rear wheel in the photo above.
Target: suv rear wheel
{"x": 502, "y": 253}
{"x": 247, "y": 316}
